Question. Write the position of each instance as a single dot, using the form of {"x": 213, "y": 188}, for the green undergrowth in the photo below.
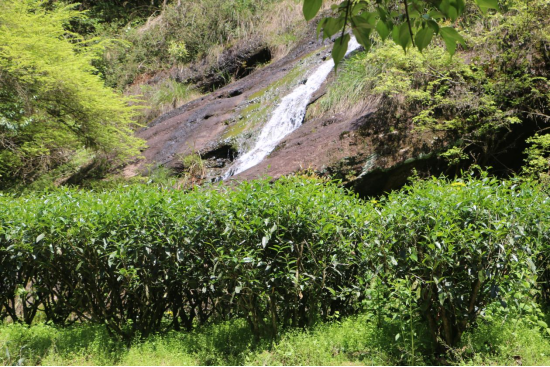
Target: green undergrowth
{"x": 184, "y": 32}
{"x": 355, "y": 340}
{"x": 477, "y": 98}
{"x": 143, "y": 260}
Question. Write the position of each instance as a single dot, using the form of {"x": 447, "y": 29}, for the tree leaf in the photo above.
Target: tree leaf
{"x": 531, "y": 265}
{"x": 311, "y": 8}
{"x": 40, "y": 237}
{"x": 340, "y": 48}
{"x": 451, "y": 37}
{"x": 363, "y": 37}
{"x": 485, "y": 5}
{"x": 402, "y": 35}
{"x": 360, "y": 22}
{"x": 382, "y": 29}
{"x": 423, "y": 38}
{"x": 332, "y": 26}
{"x": 320, "y": 26}
{"x": 460, "y": 5}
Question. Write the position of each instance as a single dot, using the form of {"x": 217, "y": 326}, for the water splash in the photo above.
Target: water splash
{"x": 286, "y": 118}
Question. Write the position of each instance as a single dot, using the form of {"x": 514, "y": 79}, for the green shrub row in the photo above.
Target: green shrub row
{"x": 282, "y": 252}
{"x": 140, "y": 260}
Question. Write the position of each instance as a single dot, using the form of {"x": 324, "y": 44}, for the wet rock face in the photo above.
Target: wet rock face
{"x": 358, "y": 148}
{"x": 201, "y": 126}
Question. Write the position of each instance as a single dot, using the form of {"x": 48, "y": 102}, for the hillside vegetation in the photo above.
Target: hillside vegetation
{"x": 489, "y": 103}
{"x": 76, "y": 78}
{"x": 97, "y": 268}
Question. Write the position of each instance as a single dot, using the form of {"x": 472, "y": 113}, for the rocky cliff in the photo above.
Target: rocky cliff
{"x": 374, "y": 145}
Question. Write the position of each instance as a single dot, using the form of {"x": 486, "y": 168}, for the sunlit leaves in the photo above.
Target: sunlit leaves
{"x": 311, "y": 8}
{"x": 415, "y": 20}
{"x": 139, "y": 248}
{"x": 52, "y": 98}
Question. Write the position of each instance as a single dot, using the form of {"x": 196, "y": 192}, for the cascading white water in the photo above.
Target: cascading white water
{"x": 286, "y": 118}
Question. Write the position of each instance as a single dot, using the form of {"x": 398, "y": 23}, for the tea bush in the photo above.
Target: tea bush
{"x": 447, "y": 250}
{"x": 286, "y": 254}
{"x": 128, "y": 258}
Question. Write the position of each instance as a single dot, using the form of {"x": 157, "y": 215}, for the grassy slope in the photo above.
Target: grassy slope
{"x": 499, "y": 81}
{"x": 352, "y": 341}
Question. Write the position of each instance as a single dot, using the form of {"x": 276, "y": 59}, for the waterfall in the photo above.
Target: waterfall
{"x": 286, "y": 118}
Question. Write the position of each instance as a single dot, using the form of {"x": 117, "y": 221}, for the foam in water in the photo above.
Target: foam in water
{"x": 286, "y": 118}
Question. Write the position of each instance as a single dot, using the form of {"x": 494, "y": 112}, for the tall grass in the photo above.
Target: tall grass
{"x": 351, "y": 341}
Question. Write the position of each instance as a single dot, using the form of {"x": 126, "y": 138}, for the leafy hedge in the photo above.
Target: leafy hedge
{"x": 279, "y": 253}
{"x": 452, "y": 248}
{"x": 141, "y": 260}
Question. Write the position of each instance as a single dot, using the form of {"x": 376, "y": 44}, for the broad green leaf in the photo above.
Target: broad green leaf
{"x": 485, "y": 5}
{"x": 311, "y": 8}
{"x": 320, "y": 26}
{"x": 382, "y": 13}
{"x": 460, "y": 5}
{"x": 444, "y": 7}
{"x": 423, "y": 38}
{"x": 363, "y": 37}
{"x": 370, "y": 17}
{"x": 339, "y": 49}
{"x": 402, "y": 35}
{"x": 433, "y": 25}
{"x": 451, "y": 37}
{"x": 382, "y": 29}
{"x": 332, "y": 26}
{"x": 360, "y": 22}
{"x": 452, "y": 13}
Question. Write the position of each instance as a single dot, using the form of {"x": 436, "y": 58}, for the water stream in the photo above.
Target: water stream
{"x": 286, "y": 118}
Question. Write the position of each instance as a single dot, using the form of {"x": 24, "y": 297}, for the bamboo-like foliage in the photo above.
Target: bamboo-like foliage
{"x": 52, "y": 100}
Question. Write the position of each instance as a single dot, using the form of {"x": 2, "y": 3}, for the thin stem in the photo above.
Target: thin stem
{"x": 409, "y": 22}
{"x": 345, "y": 23}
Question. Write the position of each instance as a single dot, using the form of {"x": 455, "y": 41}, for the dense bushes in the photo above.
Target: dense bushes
{"x": 283, "y": 254}
{"x": 451, "y": 249}
{"x": 52, "y": 102}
